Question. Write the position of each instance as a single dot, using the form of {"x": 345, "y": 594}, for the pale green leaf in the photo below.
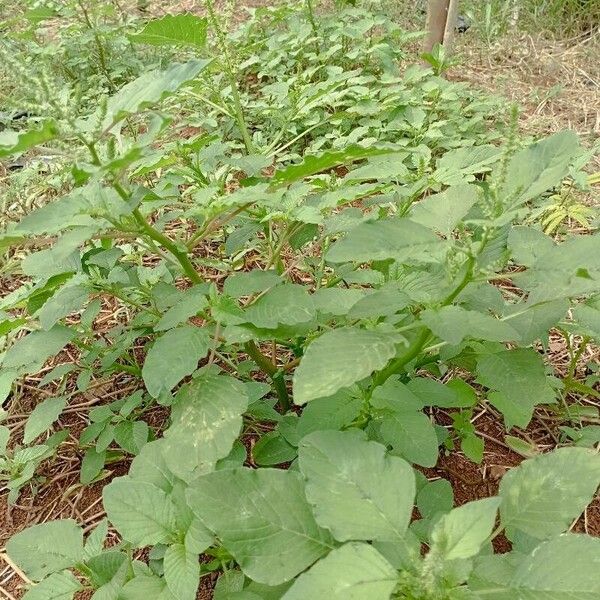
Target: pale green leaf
{"x": 192, "y": 301}
{"x": 250, "y": 282}
{"x": 545, "y": 494}
{"x": 142, "y": 513}
{"x": 263, "y": 519}
{"x": 42, "y": 417}
{"x": 146, "y": 587}
{"x": 338, "y": 359}
{"x": 206, "y": 420}
{"x": 444, "y": 211}
{"x": 67, "y": 300}
{"x": 358, "y": 492}
{"x": 539, "y": 167}
{"x": 149, "y": 89}
{"x": 15, "y": 142}
{"x": 462, "y": 532}
{"x": 398, "y": 239}
{"x": 453, "y": 324}
{"x": 353, "y": 572}
{"x": 47, "y": 548}
{"x": 33, "y": 350}
{"x": 172, "y": 357}
{"x": 287, "y": 304}
{"x": 313, "y": 164}
{"x": 174, "y": 30}
{"x": 564, "y": 568}
{"x": 182, "y": 572}
{"x": 519, "y": 378}
{"x": 58, "y": 586}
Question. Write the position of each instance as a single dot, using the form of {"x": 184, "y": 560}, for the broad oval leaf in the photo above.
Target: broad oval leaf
{"x": 358, "y": 491}
{"x": 338, "y": 359}
{"x": 142, "y": 513}
{"x": 182, "y": 572}
{"x": 59, "y": 586}
{"x": 398, "y": 239}
{"x": 462, "y": 532}
{"x": 206, "y": 420}
{"x": 174, "y": 30}
{"x": 353, "y": 572}
{"x": 42, "y": 417}
{"x": 47, "y": 548}
{"x": 263, "y": 519}
{"x": 173, "y": 356}
{"x": 543, "y": 495}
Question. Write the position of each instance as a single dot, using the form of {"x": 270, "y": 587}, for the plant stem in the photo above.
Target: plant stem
{"x": 231, "y": 72}
{"x": 418, "y": 344}
{"x": 181, "y": 255}
{"x": 99, "y": 46}
{"x": 272, "y": 371}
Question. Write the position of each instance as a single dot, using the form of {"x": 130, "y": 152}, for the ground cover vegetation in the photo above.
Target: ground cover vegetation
{"x": 320, "y": 264}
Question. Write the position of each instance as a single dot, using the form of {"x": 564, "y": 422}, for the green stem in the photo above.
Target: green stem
{"x": 396, "y": 365}
{"x": 230, "y": 70}
{"x": 181, "y": 255}
{"x": 276, "y": 376}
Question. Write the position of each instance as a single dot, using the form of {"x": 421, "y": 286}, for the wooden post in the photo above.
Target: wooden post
{"x": 441, "y": 22}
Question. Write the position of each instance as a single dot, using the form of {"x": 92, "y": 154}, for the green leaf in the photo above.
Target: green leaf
{"x": 402, "y": 424}
{"x": 149, "y": 89}
{"x": 174, "y": 30}
{"x": 42, "y": 417}
{"x": 206, "y": 420}
{"x": 338, "y": 359}
{"x": 563, "y": 568}
{"x": 91, "y": 465}
{"x": 353, "y": 572}
{"x": 462, "y": 532}
{"x": 333, "y": 412}
{"x": 453, "y": 324}
{"x": 385, "y": 301}
{"x": 59, "y": 586}
{"x": 182, "y": 572}
{"x": 33, "y": 350}
{"x": 358, "y": 492}
{"x": 47, "y": 548}
{"x": 191, "y": 303}
{"x": 533, "y": 321}
{"x": 142, "y": 513}
{"x": 16, "y": 142}
{"x": 399, "y": 239}
{"x": 172, "y": 357}
{"x": 435, "y": 497}
{"x": 565, "y": 270}
{"x": 263, "y": 519}
{"x": 528, "y": 244}
{"x": 273, "y": 449}
{"x": 544, "y": 495}
{"x": 146, "y": 587}
{"x": 519, "y": 378}
{"x": 286, "y": 304}
{"x": 250, "y": 282}
{"x": 539, "y": 167}
{"x": 336, "y": 301}
{"x": 67, "y": 300}
{"x": 311, "y": 165}
{"x": 444, "y": 211}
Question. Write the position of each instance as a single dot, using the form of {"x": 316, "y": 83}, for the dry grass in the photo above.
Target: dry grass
{"x": 557, "y": 83}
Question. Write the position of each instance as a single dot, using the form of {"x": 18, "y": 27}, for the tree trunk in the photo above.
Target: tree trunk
{"x": 441, "y": 21}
